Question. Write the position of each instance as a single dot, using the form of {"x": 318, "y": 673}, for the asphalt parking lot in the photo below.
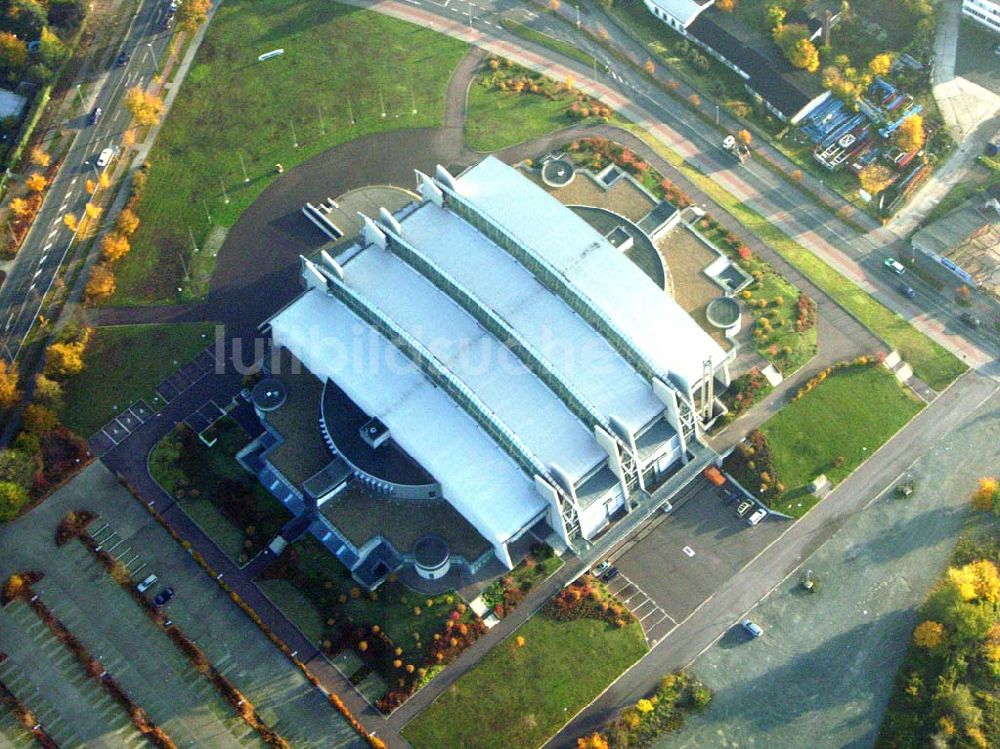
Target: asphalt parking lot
{"x": 678, "y": 559}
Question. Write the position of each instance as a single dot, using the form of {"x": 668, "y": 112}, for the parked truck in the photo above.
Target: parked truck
{"x": 731, "y": 144}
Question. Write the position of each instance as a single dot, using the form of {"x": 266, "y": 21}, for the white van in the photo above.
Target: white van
{"x": 759, "y": 515}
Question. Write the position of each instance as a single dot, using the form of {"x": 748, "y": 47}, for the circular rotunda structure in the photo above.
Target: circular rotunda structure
{"x": 431, "y": 557}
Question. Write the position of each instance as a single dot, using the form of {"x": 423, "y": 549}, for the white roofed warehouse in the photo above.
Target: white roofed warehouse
{"x": 518, "y": 368}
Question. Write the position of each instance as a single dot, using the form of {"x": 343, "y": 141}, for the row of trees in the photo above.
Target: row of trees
{"x": 945, "y": 693}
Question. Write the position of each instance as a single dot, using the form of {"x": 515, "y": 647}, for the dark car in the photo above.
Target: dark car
{"x": 610, "y": 575}
{"x": 163, "y": 596}
{"x": 122, "y": 60}
{"x": 94, "y": 116}
{"x": 969, "y": 319}
{"x": 907, "y": 291}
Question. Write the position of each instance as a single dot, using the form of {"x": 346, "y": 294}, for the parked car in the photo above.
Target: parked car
{"x": 751, "y": 629}
{"x": 666, "y": 507}
{"x": 731, "y": 494}
{"x": 610, "y": 575}
{"x": 94, "y": 116}
{"x": 148, "y": 583}
{"x": 163, "y": 596}
{"x": 122, "y": 60}
{"x": 601, "y": 568}
{"x": 757, "y": 516}
{"x": 970, "y": 319}
{"x": 743, "y": 508}
{"x": 907, "y": 291}
{"x": 104, "y": 157}
{"x": 894, "y": 265}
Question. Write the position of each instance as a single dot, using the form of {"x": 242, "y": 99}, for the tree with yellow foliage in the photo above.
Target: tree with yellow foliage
{"x": 986, "y": 495}
{"x": 911, "y": 136}
{"x": 977, "y": 581}
{"x": 726, "y": 6}
{"x": 48, "y": 392}
{"x": 554, "y": 5}
{"x": 39, "y": 419}
{"x": 114, "y": 246}
{"x": 144, "y": 107}
{"x": 101, "y": 284}
{"x": 570, "y": 82}
{"x": 20, "y": 207}
{"x": 880, "y": 64}
{"x": 36, "y": 182}
{"x": 193, "y": 13}
{"x": 92, "y": 211}
{"x": 104, "y": 181}
{"x": 127, "y": 222}
{"x": 874, "y": 178}
{"x": 64, "y": 359}
{"x": 71, "y": 222}
{"x": 9, "y": 394}
{"x": 39, "y": 158}
{"x": 594, "y": 741}
{"x": 90, "y": 186}
{"x": 804, "y": 55}
{"x": 745, "y": 137}
{"x": 928, "y": 635}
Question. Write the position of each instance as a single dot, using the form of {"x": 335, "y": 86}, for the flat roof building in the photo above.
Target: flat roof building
{"x": 966, "y": 241}
{"x": 523, "y": 368}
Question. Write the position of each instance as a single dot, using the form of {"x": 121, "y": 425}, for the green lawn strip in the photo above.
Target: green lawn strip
{"x": 196, "y": 475}
{"x": 339, "y": 62}
{"x": 931, "y": 362}
{"x": 124, "y": 363}
{"x": 556, "y": 45}
{"x": 848, "y": 416}
{"x": 517, "y": 697}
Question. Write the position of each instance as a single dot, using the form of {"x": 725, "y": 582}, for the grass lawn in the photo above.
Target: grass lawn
{"x": 931, "y": 362}
{"x": 125, "y": 363}
{"x": 850, "y": 415}
{"x": 194, "y": 473}
{"x": 517, "y": 697}
{"x": 340, "y": 62}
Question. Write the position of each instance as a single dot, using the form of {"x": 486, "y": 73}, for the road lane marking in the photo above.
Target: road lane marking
{"x": 47, "y": 247}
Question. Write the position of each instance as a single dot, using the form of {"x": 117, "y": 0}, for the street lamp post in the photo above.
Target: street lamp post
{"x": 225, "y": 197}
{"x": 152, "y": 57}
{"x": 246, "y": 177}
{"x": 578, "y": 15}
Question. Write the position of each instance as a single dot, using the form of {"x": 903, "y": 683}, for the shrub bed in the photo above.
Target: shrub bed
{"x": 24, "y": 715}
{"x": 505, "y": 593}
{"x": 643, "y": 724}
{"x": 745, "y": 392}
{"x": 587, "y": 598}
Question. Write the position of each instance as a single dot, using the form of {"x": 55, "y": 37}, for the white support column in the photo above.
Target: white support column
{"x": 371, "y": 233}
{"x": 669, "y": 398}
{"x": 552, "y": 497}
{"x": 428, "y": 190}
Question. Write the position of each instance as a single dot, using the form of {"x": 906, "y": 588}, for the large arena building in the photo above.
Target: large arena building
{"x": 485, "y": 352}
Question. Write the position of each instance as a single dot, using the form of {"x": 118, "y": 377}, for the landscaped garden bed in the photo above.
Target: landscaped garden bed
{"x": 744, "y": 392}
{"x": 398, "y": 638}
{"x": 226, "y": 502}
{"x": 504, "y": 594}
{"x": 530, "y": 684}
{"x": 831, "y": 425}
{"x": 785, "y": 318}
{"x": 664, "y": 711}
{"x": 508, "y": 104}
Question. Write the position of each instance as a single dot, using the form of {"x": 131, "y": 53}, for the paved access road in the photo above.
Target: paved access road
{"x": 949, "y": 420}
{"x": 826, "y": 663}
{"x": 856, "y": 255}
{"x": 48, "y": 242}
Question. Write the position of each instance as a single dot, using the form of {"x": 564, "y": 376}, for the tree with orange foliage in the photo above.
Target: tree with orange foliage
{"x": 127, "y": 222}
{"x": 114, "y": 246}
{"x": 39, "y": 158}
{"x": 20, "y": 207}
{"x": 650, "y": 67}
{"x": 36, "y": 182}
{"x": 986, "y": 495}
{"x": 71, "y": 221}
{"x": 928, "y": 635}
{"x": 726, "y": 6}
{"x": 9, "y": 393}
{"x": 101, "y": 284}
{"x": 594, "y": 741}
{"x": 745, "y": 137}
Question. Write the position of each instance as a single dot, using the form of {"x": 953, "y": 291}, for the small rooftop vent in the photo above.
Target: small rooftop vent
{"x": 374, "y": 432}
